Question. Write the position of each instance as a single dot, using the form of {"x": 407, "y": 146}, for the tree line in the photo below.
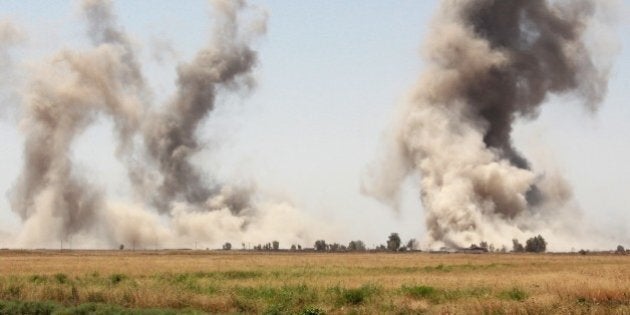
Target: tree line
{"x": 536, "y": 244}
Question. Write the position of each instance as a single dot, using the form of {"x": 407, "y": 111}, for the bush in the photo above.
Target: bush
{"x": 420, "y": 291}
{"x": 355, "y": 296}
{"x": 117, "y": 278}
{"x": 61, "y": 278}
{"x": 19, "y": 307}
{"x": 312, "y": 311}
{"x": 227, "y": 246}
{"x": 514, "y": 294}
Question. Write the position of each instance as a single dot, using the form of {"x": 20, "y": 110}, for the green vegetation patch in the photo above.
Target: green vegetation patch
{"x": 279, "y": 300}
{"x": 436, "y": 296}
{"x": 354, "y": 296}
{"x": 61, "y": 278}
{"x": 48, "y": 307}
{"x": 117, "y": 278}
{"x": 38, "y": 279}
{"x": 514, "y": 294}
{"x": 464, "y": 267}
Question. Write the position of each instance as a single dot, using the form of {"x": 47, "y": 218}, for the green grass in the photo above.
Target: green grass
{"x": 287, "y": 298}
{"x": 61, "y": 278}
{"x": 354, "y": 296}
{"x": 117, "y": 278}
{"x": 49, "y": 307}
{"x": 316, "y": 284}
{"x": 437, "y": 296}
{"x": 514, "y": 294}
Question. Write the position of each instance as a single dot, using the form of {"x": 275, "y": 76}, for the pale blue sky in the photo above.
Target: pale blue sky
{"x": 331, "y": 74}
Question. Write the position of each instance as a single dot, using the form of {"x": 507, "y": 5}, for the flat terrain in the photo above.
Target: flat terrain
{"x": 311, "y": 283}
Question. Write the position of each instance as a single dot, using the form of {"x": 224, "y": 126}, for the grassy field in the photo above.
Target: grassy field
{"x": 81, "y": 282}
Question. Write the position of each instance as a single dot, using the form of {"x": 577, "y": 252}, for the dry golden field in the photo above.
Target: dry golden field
{"x": 79, "y": 282}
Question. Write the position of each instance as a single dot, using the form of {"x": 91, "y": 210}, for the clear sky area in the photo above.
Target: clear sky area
{"x": 330, "y": 77}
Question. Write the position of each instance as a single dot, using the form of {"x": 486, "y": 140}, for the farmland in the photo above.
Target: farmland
{"x": 311, "y": 283}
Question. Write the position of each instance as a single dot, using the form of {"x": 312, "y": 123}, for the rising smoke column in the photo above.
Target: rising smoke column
{"x": 57, "y": 199}
{"x": 63, "y": 97}
{"x": 171, "y": 135}
{"x": 489, "y": 63}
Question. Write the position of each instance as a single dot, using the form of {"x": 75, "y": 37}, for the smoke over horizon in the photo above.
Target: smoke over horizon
{"x": 490, "y": 63}
{"x": 130, "y": 132}
{"x": 175, "y": 203}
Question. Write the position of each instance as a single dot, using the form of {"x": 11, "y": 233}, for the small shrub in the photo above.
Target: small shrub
{"x": 117, "y": 278}
{"x": 13, "y": 291}
{"x": 514, "y": 294}
{"x": 61, "y": 278}
{"x": 20, "y": 307}
{"x": 38, "y": 279}
{"x": 420, "y": 291}
{"x": 312, "y": 311}
{"x": 95, "y": 297}
{"x": 241, "y": 274}
{"x": 355, "y": 296}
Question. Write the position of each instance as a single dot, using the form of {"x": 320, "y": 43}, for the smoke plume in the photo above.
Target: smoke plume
{"x": 489, "y": 63}
{"x": 175, "y": 203}
{"x": 171, "y": 135}
{"x": 10, "y": 36}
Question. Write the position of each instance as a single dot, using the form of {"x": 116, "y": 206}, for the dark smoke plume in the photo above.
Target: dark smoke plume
{"x": 171, "y": 135}
{"x": 489, "y": 63}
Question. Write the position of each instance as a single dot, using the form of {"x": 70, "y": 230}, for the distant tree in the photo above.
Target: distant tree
{"x": 227, "y": 246}
{"x": 244, "y": 247}
{"x": 276, "y": 245}
{"x": 412, "y": 244}
{"x": 356, "y": 246}
{"x": 517, "y": 247}
{"x": 484, "y": 245}
{"x": 121, "y": 247}
{"x": 299, "y": 247}
{"x": 336, "y": 247}
{"x": 583, "y": 252}
{"x": 293, "y": 248}
{"x": 620, "y": 249}
{"x": 381, "y": 247}
{"x": 393, "y": 242}
{"x": 491, "y": 248}
{"x": 536, "y": 244}
{"x": 320, "y": 245}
